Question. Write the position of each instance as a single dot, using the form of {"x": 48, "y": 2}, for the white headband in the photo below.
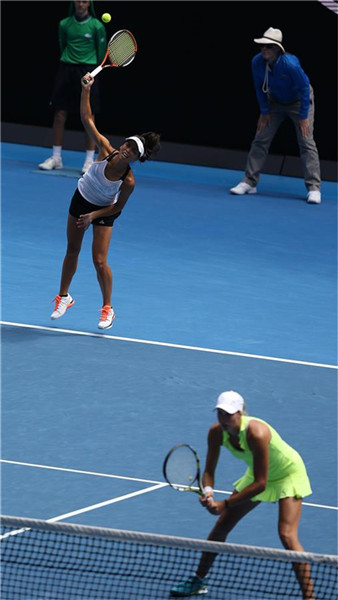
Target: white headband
{"x": 138, "y": 143}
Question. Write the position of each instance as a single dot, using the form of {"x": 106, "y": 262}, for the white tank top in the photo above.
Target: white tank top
{"x": 96, "y": 188}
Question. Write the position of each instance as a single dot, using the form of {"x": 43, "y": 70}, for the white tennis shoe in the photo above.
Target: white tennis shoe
{"x": 61, "y": 305}
{"x": 51, "y": 163}
{"x": 107, "y": 317}
{"x": 314, "y": 197}
{"x": 243, "y": 188}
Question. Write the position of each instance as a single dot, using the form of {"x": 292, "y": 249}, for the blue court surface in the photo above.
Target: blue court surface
{"x": 212, "y": 292}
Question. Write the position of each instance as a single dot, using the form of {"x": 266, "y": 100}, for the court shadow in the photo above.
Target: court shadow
{"x": 13, "y": 335}
{"x": 65, "y": 172}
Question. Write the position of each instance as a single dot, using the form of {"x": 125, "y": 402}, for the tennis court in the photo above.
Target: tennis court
{"x": 211, "y": 292}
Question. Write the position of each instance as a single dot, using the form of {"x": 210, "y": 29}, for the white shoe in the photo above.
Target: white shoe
{"x": 107, "y": 317}
{"x": 61, "y": 305}
{"x": 314, "y": 197}
{"x": 243, "y": 188}
{"x": 87, "y": 163}
{"x": 51, "y": 163}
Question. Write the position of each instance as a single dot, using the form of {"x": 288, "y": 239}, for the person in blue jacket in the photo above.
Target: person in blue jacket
{"x": 283, "y": 90}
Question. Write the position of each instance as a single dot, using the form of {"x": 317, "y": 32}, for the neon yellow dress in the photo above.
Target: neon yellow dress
{"x": 287, "y": 476}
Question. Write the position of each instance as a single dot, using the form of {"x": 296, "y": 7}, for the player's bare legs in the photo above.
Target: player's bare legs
{"x": 224, "y": 524}
{"x": 74, "y": 243}
{"x": 290, "y": 510}
{"x": 101, "y": 239}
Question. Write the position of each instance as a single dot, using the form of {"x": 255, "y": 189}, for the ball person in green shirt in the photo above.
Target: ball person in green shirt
{"x": 83, "y": 43}
{"x": 275, "y": 473}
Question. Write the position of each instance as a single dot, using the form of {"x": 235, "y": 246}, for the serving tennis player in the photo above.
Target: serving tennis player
{"x": 275, "y": 473}
{"x": 98, "y": 200}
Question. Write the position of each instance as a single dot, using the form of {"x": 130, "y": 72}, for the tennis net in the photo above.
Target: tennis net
{"x": 42, "y": 560}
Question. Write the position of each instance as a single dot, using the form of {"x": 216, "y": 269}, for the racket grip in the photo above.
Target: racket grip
{"x": 93, "y": 73}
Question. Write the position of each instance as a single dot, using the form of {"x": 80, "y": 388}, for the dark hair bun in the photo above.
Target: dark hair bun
{"x": 151, "y": 141}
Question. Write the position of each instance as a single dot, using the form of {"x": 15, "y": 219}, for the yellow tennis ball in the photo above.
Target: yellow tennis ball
{"x": 106, "y": 17}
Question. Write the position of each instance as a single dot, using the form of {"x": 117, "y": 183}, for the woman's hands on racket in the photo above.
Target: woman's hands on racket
{"x": 87, "y": 81}
{"x": 214, "y": 507}
{"x": 181, "y": 469}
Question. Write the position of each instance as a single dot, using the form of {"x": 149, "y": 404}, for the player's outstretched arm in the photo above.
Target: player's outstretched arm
{"x": 87, "y": 118}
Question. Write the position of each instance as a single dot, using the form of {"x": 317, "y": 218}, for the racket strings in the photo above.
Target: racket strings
{"x": 181, "y": 467}
{"x": 122, "y": 49}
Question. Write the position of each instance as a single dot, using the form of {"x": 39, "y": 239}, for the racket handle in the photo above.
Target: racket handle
{"x": 93, "y": 73}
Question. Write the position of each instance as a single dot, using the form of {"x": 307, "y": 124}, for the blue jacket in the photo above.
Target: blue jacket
{"x": 287, "y": 83}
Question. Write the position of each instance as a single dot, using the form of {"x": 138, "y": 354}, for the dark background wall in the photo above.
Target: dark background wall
{"x": 191, "y": 78}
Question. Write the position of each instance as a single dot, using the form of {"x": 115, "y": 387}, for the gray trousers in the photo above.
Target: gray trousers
{"x": 307, "y": 146}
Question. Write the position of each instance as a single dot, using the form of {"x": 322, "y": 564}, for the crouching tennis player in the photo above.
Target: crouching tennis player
{"x": 275, "y": 473}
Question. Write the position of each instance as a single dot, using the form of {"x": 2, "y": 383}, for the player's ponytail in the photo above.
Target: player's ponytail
{"x": 152, "y": 146}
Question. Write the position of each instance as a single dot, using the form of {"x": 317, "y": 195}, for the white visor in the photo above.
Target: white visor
{"x": 138, "y": 143}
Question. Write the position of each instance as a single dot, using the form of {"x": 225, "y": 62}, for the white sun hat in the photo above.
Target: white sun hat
{"x": 271, "y": 36}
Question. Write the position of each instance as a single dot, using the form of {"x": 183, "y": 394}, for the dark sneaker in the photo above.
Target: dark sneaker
{"x": 189, "y": 587}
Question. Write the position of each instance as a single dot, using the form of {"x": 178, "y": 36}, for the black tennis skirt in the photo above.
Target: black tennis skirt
{"x": 80, "y": 206}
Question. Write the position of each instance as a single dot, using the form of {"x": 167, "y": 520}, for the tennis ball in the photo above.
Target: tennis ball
{"x": 106, "y": 17}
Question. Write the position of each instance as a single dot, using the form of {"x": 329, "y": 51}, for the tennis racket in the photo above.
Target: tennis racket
{"x": 121, "y": 50}
{"x": 182, "y": 469}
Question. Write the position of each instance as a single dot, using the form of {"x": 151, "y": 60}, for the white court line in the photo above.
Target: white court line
{"x": 156, "y": 486}
{"x": 169, "y": 345}
{"x": 106, "y": 503}
{"x": 80, "y": 511}
{"x": 38, "y": 466}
